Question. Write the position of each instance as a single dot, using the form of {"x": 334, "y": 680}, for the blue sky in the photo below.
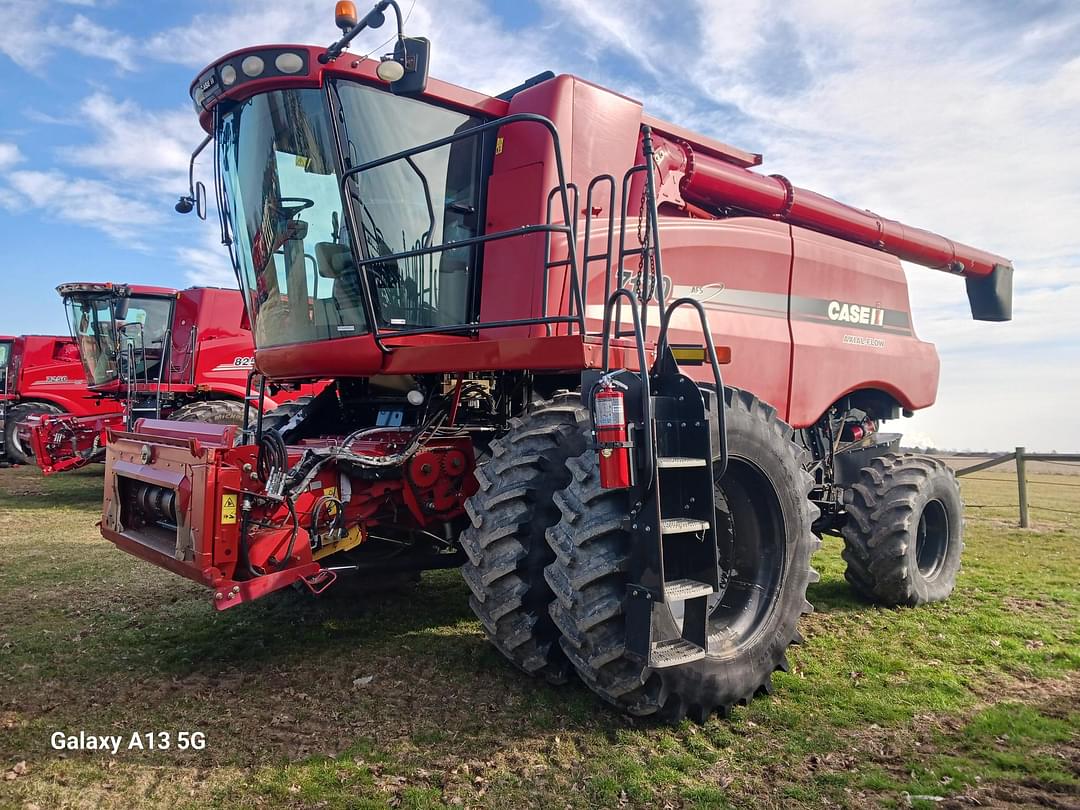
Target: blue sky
{"x": 963, "y": 117}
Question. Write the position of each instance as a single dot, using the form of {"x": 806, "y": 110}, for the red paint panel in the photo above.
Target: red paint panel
{"x": 511, "y": 283}
{"x": 352, "y": 356}
{"x": 741, "y": 267}
{"x": 47, "y": 368}
{"x": 826, "y": 365}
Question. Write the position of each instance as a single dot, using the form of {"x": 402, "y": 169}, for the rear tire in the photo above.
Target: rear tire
{"x": 904, "y": 532}
{"x": 13, "y": 448}
{"x": 277, "y": 418}
{"x": 213, "y": 411}
{"x": 763, "y": 534}
{"x": 505, "y": 543}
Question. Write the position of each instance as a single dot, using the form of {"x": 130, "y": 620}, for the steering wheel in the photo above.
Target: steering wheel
{"x": 299, "y": 204}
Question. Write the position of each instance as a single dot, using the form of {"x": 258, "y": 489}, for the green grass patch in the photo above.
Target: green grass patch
{"x": 941, "y": 701}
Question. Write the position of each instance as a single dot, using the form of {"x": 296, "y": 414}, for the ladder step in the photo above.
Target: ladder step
{"x": 683, "y": 525}
{"x": 673, "y": 653}
{"x": 673, "y": 462}
{"x": 679, "y": 590}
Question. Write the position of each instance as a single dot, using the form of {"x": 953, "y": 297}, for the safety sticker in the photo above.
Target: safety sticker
{"x": 609, "y": 412}
{"x": 228, "y": 508}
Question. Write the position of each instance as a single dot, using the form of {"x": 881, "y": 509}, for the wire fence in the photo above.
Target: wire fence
{"x": 1024, "y": 483}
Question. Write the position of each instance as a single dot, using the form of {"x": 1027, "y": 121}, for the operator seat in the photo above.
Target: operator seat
{"x": 345, "y": 306}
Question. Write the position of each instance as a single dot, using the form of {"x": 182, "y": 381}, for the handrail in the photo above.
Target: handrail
{"x": 550, "y": 264}
{"x": 166, "y": 349}
{"x": 643, "y": 373}
{"x": 661, "y": 347}
{"x": 606, "y": 255}
{"x": 567, "y": 228}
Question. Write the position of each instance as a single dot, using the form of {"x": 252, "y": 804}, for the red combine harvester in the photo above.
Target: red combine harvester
{"x": 41, "y": 374}
{"x": 517, "y": 298}
{"x": 182, "y": 355}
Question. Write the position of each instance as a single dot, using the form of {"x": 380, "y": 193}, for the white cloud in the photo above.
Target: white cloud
{"x": 504, "y": 60}
{"x": 240, "y": 24}
{"x": 91, "y": 203}
{"x": 206, "y": 262}
{"x": 9, "y": 155}
{"x": 999, "y": 400}
{"x": 882, "y": 105}
{"x": 33, "y": 30}
{"x": 137, "y": 144}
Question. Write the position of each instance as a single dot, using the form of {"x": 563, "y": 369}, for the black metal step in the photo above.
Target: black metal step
{"x": 673, "y": 653}
{"x": 674, "y": 462}
{"x": 679, "y": 590}
{"x": 683, "y": 525}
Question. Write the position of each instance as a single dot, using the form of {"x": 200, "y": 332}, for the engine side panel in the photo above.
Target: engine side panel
{"x": 851, "y": 328}
{"x": 224, "y": 352}
{"x": 739, "y": 270}
{"x": 47, "y": 368}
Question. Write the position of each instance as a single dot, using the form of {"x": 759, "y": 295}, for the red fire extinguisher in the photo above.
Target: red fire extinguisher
{"x": 612, "y": 435}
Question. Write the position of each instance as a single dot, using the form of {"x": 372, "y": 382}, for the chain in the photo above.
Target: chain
{"x": 642, "y": 288}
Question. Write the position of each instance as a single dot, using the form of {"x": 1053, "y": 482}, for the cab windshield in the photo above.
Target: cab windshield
{"x": 295, "y": 243}
{"x": 120, "y": 338}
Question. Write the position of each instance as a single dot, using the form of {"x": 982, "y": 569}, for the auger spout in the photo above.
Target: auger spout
{"x": 712, "y": 182}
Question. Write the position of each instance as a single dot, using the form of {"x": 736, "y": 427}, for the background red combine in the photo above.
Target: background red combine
{"x": 510, "y": 294}
{"x": 184, "y": 355}
{"x": 42, "y": 374}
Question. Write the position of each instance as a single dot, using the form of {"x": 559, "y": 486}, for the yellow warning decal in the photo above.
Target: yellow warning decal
{"x": 498, "y": 146}
{"x": 228, "y": 508}
{"x": 689, "y": 354}
{"x": 330, "y": 492}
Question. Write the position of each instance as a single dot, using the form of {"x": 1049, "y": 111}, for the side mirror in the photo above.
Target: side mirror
{"x": 195, "y": 200}
{"x": 414, "y": 55}
{"x": 200, "y": 200}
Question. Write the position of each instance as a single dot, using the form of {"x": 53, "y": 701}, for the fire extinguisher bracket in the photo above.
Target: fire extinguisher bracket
{"x": 614, "y": 443}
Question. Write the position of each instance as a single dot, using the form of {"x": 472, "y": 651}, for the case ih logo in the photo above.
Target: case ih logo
{"x": 856, "y": 313}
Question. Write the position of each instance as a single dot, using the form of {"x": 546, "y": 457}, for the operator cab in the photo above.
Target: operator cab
{"x": 123, "y": 337}
{"x": 281, "y": 162}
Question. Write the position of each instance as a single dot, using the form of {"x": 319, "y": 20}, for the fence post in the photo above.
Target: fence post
{"x": 1021, "y": 487}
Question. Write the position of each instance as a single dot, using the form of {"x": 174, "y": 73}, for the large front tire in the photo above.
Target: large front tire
{"x": 505, "y": 543}
{"x": 16, "y": 452}
{"x": 764, "y": 538}
{"x": 904, "y": 532}
{"x": 213, "y": 411}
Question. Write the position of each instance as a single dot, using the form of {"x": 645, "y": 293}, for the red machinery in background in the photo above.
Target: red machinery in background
{"x": 155, "y": 352}
{"x": 42, "y": 375}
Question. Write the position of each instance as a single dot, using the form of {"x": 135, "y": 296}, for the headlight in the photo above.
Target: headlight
{"x": 289, "y": 63}
{"x": 252, "y": 66}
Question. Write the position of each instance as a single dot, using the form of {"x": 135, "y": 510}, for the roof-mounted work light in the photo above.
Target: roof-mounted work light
{"x": 345, "y": 15}
{"x": 406, "y": 69}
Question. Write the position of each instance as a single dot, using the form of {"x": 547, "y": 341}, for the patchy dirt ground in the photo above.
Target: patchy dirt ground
{"x": 395, "y": 700}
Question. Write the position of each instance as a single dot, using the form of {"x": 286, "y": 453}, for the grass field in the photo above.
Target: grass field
{"x": 397, "y": 701}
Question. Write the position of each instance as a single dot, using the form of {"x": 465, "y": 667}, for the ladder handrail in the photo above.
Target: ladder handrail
{"x": 646, "y": 396}
{"x": 662, "y": 346}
